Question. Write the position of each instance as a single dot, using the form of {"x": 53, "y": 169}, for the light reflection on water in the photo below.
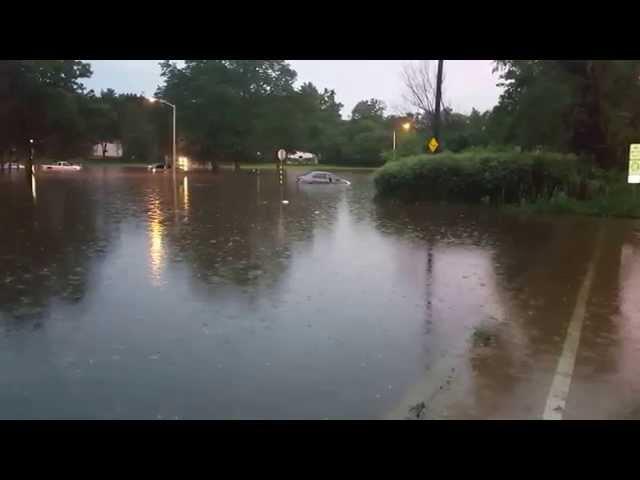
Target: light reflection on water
{"x": 33, "y": 189}
{"x": 331, "y": 306}
{"x": 156, "y": 232}
{"x": 185, "y": 193}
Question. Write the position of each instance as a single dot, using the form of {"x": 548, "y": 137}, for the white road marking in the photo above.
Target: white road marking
{"x": 556, "y": 401}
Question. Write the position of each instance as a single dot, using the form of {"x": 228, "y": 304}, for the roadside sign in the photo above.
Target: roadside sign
{"x": 432, "y": 144}
{"x": 634, "y": 163}
{"x": 282, "y": 154}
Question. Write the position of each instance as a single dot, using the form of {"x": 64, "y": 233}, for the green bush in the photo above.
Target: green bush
{"x": 619, "y": 200}
{"x": 497, "y": 176}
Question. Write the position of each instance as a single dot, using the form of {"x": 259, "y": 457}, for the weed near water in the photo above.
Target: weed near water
{"x": 543, "y": 182}
{"x": 500, "y": 177}
{"x": 620, "y": 201}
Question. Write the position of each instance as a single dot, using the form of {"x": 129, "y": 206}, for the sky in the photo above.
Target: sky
{"x": 468, "y": 84}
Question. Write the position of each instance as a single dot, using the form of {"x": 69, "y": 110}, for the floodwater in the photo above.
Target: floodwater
{"x": 124, "y": 295}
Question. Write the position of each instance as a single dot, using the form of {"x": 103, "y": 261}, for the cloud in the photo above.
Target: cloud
{"x": 470, "y": 83}
{"x": 125, "y": 76}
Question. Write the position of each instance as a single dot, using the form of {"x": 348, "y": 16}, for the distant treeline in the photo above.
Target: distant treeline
{"x": 243, "y": 110}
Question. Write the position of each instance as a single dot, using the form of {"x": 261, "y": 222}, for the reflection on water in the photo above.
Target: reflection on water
{"x": 156, "y": 242}
{"x": 332, "y": 305}
{"x": 33, "y": 188}
{"x": 185, "y": 193}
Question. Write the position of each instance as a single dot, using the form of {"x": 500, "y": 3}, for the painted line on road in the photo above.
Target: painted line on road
{"x": 557, "y": 399}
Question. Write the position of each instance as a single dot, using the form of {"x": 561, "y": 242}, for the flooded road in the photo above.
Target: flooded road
{"x": 123, "y": 295}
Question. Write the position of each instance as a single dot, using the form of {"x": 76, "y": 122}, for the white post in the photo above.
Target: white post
{"x": 394, "y": 144}
{"x": 174, "y": 165}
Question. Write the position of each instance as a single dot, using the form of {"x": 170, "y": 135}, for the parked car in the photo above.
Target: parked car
{"x": 63, "y": 166}
{"x": 158, "y": 166}
{"x": 322, "y": 177}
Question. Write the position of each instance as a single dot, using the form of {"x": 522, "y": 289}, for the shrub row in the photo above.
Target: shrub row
{"x": 489, "y": 176}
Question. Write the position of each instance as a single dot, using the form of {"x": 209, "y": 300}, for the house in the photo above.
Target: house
{"x": 107, "y": 150}
{"x": 302, "y": 158}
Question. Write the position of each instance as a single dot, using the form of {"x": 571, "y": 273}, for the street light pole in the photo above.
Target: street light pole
{"x": 406, "y": 126}
{"x": 394, "y": 144}
{"x": 173, "y": 160}
{"x": 173, "y": 107}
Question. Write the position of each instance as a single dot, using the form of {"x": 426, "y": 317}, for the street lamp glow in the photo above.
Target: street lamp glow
{"x": 173, "y": 109}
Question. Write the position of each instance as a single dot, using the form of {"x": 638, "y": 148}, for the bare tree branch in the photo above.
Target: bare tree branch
{"x": 420, "y": 88}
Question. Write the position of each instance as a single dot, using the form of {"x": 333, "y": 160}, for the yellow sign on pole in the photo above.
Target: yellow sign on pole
{"x": 432, "y": 144}
{"x": 634, "y": 163}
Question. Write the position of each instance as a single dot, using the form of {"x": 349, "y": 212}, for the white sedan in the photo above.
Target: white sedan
{"x": 64, "y": 166}
{"x": 321, "y": 177}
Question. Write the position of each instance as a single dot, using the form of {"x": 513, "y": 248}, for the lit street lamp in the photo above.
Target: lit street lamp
{"x": 173, "y": 107}
{"x": 406, "y": 126}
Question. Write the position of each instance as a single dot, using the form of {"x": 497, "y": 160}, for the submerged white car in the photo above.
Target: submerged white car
{"x": 322, "y": 177}
{"x": 64, "y": 166}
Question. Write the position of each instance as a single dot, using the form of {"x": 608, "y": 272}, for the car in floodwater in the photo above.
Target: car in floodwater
{"x": 322, "y": 177}
{"x": 62, "y": 166}
{"x": 158, "y": 167}
{"x": 14, "y": 165}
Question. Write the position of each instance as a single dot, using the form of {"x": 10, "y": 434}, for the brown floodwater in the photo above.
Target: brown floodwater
{"x": 124, "y": 295}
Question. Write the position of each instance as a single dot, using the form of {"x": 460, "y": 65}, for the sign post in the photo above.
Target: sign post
{"x": 634, "y": 163}
{"x": 282, "y": 155}
{"x": 433, "y": 144}
{"x": 634, "y": 166}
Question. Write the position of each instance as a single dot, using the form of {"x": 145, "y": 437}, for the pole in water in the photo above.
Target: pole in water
{"x": 436, "y": 120}
{"x": 29, "y": 166}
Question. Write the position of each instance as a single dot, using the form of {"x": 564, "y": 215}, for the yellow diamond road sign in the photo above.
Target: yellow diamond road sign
{"x": 634, "y": 163}
{"x": 433, "y": 144}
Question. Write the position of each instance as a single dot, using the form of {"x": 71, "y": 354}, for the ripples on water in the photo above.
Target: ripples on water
{"x": 126, "y": 296}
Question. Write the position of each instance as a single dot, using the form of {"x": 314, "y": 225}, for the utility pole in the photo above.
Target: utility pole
{"x": 436, "y": 121}
{"x": 29, "y": 164}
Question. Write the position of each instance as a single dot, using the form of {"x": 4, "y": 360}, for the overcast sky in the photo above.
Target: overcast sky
{"x": 469, "y": 83}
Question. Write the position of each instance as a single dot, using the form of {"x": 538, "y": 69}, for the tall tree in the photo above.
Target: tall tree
{"x": 585, "y": 106}
{"x": 41, "y": 99}
{"x": 372, "y": 108}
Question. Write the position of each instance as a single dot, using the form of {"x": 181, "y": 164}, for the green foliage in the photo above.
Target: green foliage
{"x": 616, "y": 199}
{"x": 232, "y": 109}
{"x": 461, "y": 131}
{"x": 43, "y": 100}
{"x": 505, "y": 177}
{"x": 587, "y": 107}
{"x": 368, "y": 109}
{"x": 136, "y": 130}
{"x": 246, "y": 110}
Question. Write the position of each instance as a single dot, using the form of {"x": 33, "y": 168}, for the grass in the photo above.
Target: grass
{"x": 545, "y": 182}
{"x": 500, "y": 177}
{"x": 109, "y": 163}
{"x": 621, "y": 202}
{"x": 320, "y": 166}
{"x": 482, "y": 336}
